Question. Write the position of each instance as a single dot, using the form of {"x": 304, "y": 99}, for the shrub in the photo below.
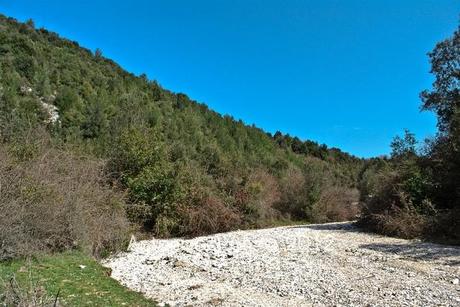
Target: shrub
{"x": 208, "y": 214}
{"x": 56, "y": 201}
{"x": 390, "y": 210}
{"x": 293, "y": 200}
{"x": 31, "y": 293}
{"x": 336, "y": 204}
{"x": 300, "y": 189}
{"x": 257, "y": 197}
{"x": 264, "y": 191}
{"x": 134, "y": 150}
{"x": 155, "y": 190}
{"x": 141, "y": 163}
{"x": 405, "y": 223}
{"x": 445, "y": 226}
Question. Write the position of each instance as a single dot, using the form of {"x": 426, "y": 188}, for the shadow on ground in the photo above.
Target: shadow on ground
{"x": 413, "y": 250}
{"x": 448, "y": 255}
{"x": 342, "y": 226}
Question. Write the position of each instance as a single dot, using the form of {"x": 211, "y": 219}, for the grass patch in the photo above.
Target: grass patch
{"x": 90, "y": 286}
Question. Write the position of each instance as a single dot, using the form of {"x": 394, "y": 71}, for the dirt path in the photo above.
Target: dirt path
{"x": 313, "y": 265}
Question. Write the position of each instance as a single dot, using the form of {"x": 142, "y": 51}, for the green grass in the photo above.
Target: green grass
{"x": 90, "y": 286}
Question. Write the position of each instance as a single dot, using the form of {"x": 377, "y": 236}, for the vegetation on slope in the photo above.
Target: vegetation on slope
{"x": 183, "y": 169}
{"x": 53, "y": 200}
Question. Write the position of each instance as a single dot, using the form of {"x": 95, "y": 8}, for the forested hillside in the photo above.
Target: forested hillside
{"x": 178, "y": 168}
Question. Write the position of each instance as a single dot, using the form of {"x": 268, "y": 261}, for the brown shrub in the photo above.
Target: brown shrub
{"x": 390, "y": 212}
{"x": 54, "y": 201}
{"x": 265, "y": 190}
{"x": 300, "y": 189}
{"x": 336, "y": 204}
{"x": 208, "y": 215}
{"x": 257, "y": 198}
{"x": 404, "y": 223}
{"x": 27, "y": 294}
{"x": 445, "y": 227}
{"x": 293, "y": 201}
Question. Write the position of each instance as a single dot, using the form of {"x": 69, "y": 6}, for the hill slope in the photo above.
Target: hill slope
{"x": 187, "y": 169}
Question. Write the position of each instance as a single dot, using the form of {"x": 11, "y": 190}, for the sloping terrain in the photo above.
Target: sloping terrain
{"x": 179, "y": 161}
{"x": 329, "y": 264}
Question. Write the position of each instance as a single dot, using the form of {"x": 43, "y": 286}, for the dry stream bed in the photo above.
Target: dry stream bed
{"x": 312, "y": 265}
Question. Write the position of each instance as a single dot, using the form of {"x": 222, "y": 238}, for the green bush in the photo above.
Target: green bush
{"x": 156, "y": 188}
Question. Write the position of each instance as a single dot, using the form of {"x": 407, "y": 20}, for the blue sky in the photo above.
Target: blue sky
{"x": 344, "y": 73}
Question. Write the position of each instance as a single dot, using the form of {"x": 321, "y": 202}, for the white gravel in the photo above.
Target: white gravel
{"x": 312, "y": 265}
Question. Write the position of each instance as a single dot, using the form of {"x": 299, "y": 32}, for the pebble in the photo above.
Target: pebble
{"x": 324, "y": 265}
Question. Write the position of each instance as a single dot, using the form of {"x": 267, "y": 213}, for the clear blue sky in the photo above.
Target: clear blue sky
{"x": 344, "y": 73}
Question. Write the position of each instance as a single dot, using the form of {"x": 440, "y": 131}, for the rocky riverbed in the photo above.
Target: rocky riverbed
{"x": 312, "y": 265}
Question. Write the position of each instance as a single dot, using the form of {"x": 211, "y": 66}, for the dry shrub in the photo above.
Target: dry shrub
{"x": 167, "y": 225}
{"x": 336, "y": 204}
{"x": 300, "y": 189}
{"x": 445, "y": 227}
{"x": 208, "y": 215}
{"x": 255, "y": 199}
{"x": 262, "y": 193}
{"x": 292, "y": 200}
{"x": 56, "y": 201}
{"x": 405, "y": 223}
{"x": 27, "y": 294}
{"x": 390, "y": 212}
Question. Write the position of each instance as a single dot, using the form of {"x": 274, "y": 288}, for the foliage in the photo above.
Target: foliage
{"x": 53, "y": 200}
{"x": 414, "y": 194}
{"x": 336, "y": 204}
{"x": 404, "y": 147}
{"x": 187, "y": 170}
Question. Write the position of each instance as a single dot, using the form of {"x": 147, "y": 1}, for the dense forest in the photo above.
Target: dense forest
{"x": 91, "y": 153}
{"x": 98, "y": 152}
